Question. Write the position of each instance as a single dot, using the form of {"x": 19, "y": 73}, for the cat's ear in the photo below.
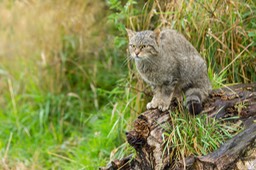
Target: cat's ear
{"x": 157, "y": 35}
{"x": 130, "y": 33}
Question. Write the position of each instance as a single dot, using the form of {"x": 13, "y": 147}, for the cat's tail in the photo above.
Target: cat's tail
{"x": 194, "y": 100}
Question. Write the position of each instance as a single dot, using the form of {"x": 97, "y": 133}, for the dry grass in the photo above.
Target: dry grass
{"x": 48, "y": 83}
{"x": 223, "y": 31}
{"x": 33, "y": 36}
{"x": 44, "y": 44}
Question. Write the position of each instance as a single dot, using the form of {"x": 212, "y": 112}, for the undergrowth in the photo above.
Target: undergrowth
{"x": 68, "y": 93}
{"x": 224, "y": 34}
{"x": 189, "y": 135}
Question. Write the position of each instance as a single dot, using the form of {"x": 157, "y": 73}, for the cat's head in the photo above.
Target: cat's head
{"x": 144, "y": 44}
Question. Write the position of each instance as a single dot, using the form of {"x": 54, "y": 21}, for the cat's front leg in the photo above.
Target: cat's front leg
{"x": 154, "y": 104}
{"x": 162, "y": 96}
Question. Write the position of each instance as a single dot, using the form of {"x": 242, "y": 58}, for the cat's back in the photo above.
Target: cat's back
{"x": 175, "y": 47}
{"x": 173, "y": 41}
{"x": 169, "y": 36}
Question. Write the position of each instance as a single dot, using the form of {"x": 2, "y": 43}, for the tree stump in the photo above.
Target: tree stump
{"x": 147, "y": 135}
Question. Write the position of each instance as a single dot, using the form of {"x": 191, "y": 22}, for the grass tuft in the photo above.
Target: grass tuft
{"x": 188, "y": 135}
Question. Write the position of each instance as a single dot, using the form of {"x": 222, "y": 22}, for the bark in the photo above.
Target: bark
{"x": 229, "y": 153}
{"x": 146, "y": 136}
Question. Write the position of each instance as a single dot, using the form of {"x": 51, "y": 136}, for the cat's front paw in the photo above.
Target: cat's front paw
{"x": 163, "y": 107}
{"x": 151, "y": 105}
{"x": 158, "y": 104}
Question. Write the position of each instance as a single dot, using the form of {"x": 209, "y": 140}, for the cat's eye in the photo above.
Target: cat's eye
{"x": 142, "y": 46}
{"x": 132, "y": 45}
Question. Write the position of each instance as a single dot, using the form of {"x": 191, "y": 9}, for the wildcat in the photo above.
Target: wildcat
{"x": 172, "y": 66}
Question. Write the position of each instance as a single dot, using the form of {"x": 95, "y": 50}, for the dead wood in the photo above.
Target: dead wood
{"x": 229, "y": 153}
{"x": 147, "y": 134}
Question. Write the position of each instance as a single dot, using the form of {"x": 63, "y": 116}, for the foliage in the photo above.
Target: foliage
{"x": 54, "y": 113}
{"x": 222, "y": 31}
{"x": 68, "y": 93}
{"x": 189, "y": 135}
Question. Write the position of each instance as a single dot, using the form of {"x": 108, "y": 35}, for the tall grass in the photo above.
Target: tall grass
{"x": 222, "y": 31}
{"x": 224, "y": 34}
{"x": 55, "y": 73}
{"x": 49, "y": 37}
{"x": 67, "y": 92}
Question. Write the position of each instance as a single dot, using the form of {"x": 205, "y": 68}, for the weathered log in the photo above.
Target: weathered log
{"x": 229, "y": 153}
{"x": 147, "y": 134}
{"x": 234, "y": 100}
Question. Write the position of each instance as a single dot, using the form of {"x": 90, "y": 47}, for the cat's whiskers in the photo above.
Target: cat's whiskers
{"x": 128, "y": 58}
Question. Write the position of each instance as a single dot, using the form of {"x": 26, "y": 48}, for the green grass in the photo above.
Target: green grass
{"x": 189, "y": 135}
{"x": 68, "y": 93}
{"x": 53, "y": 131}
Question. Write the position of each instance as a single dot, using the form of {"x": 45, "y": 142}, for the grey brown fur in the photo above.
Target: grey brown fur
{"x": 172, "y": 66}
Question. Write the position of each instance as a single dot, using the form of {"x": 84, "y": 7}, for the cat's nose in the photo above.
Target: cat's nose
{"x": 137, "y": 52}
